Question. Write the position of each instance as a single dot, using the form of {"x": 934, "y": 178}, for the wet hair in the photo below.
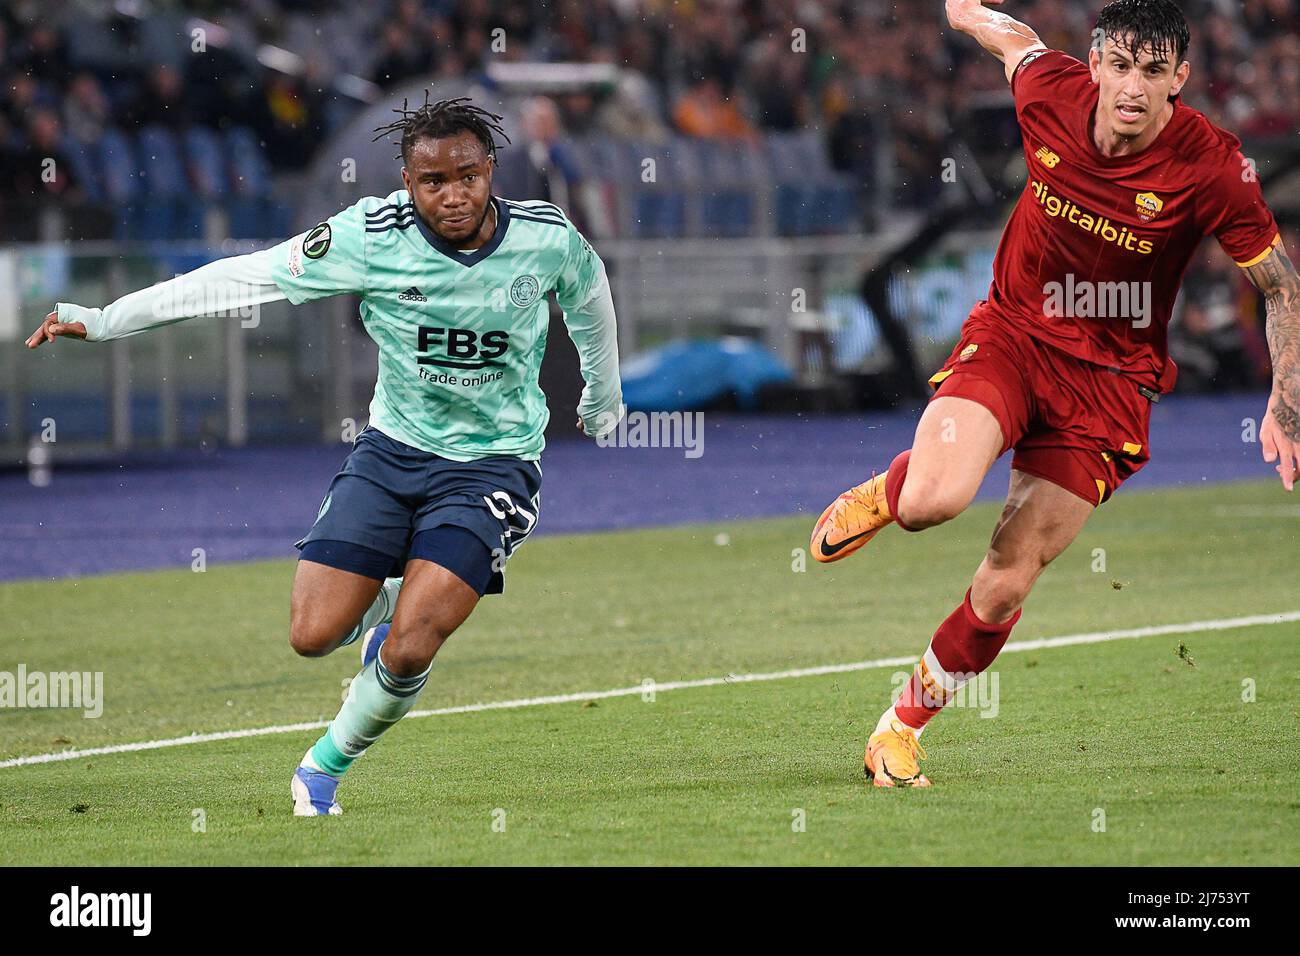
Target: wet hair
{"x": 440, "y": 120}
{"x": 1134, "y": 24}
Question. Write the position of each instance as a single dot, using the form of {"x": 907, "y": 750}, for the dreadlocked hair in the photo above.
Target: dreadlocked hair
{"x": 1134, "y": 24}
{"x": 442, "y": 119}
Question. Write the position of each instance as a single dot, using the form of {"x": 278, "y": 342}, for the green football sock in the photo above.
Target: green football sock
{"x": 376, "y": 700}
{"x": 379, "y": 612}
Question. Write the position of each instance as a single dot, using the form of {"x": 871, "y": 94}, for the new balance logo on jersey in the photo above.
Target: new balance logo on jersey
{"x": 412, "y": 295}
{"x": 1047, "y": 157}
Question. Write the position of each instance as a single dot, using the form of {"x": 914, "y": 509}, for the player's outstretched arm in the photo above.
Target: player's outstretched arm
{"x": 227, "y": 286}
{"x": 1005, "y": 37}
{"x": 1276, "y": 277}
{"x": 328, "y": 259}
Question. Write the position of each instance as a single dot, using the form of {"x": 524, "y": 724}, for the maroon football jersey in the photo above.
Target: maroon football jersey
{"x": 1093, "y": 236}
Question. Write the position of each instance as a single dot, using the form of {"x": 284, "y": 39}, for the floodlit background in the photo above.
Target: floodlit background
{"x": 764, "y": 179}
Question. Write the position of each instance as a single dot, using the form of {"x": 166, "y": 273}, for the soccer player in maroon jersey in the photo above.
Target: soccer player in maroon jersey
{"x": 1063, "y": 360}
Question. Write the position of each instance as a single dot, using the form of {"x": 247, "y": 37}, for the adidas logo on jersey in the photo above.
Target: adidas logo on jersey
{"x": 412, "y": 295}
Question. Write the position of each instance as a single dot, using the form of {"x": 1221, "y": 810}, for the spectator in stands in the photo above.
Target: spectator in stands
{"x": 39, "y": 178}
{"x": 550, "y": 173}
{"x": 402, "y": 55}
{"x": 704, "y": 111}
{"x": 775, "y": 80}
{"x": 1208, "y": 336}
{"x": 579, "y": 28}
{"x": 918, "y": 136}
{"x": 710, "y": 42}
{"x": 42, "y": 55}
{"x": 1268, "y": 19}
{"x": 710, "y": 68}
{"x": 642, "y": 50}
{"x": 633, "y": 111}
{"x": 855, "y": 137}
{"x": 21, "y": 95}
{"x": 161, "y": 101}
{"x": 519, "y": 19}
{"x": 447, "y": 59}
{"x": 86, "y": 110}
{"x": 41, "y": 168}
{"x": 290, "y": 119}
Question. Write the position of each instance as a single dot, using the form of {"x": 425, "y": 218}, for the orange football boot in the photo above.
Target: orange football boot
{"x": 891, "y": 759}
{"x": 851, "y": 520}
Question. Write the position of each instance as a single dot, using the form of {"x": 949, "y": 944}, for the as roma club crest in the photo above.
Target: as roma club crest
{"x": 1148, "y": 206}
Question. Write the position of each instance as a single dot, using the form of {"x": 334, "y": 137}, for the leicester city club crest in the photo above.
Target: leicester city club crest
{"x": 524, "y": 291}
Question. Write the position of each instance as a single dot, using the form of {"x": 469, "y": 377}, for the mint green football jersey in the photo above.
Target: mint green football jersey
{"x": 460, "y": 334}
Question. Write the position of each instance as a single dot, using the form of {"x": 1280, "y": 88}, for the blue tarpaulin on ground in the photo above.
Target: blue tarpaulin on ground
{"x": 687, "y": 375}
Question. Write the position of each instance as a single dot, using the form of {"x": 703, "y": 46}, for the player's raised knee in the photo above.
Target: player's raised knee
{"x": 924, "y": 504}
{"x": 311, "y": 637}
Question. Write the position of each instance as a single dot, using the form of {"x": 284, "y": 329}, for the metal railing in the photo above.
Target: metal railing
{"x": 267, "y": 375}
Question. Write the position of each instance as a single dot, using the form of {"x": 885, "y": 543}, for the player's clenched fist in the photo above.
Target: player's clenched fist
{"x": 52, "y": 327}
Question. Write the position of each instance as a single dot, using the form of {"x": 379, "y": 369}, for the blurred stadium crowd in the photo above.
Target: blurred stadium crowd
{"x": 148, "y": 139}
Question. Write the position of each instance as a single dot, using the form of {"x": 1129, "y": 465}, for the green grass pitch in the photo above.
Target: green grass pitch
{"x": 1182, "y": 769}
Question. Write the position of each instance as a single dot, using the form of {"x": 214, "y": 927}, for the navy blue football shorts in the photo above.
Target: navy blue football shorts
{"x": 392, "y": 502}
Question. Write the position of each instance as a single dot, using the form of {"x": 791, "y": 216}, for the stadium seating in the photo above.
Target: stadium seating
{"x": 121, "y": 181}
{"x": 174, "y": 210}
{"x": 810, "y": 198}
{"x": 253, "y": 212}
{"x": 779, "y": 185}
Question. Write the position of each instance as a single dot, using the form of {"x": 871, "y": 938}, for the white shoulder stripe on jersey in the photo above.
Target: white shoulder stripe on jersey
{"x": 536, "y": 208}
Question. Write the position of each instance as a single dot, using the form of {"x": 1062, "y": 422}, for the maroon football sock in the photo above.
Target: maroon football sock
{"x": 894, "y": 484}
{"x": 962, "y": 647}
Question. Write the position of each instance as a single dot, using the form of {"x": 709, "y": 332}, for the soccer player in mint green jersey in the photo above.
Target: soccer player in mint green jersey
{"x": 443, "y": 484}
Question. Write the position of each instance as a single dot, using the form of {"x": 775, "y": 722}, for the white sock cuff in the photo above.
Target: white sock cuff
{"x": 948, "y": 683}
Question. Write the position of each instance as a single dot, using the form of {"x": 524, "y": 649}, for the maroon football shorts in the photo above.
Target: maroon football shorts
{"x": 1073, "y": 423}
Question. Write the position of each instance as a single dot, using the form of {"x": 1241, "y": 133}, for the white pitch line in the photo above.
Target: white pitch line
{"x": 1257, "y": 511}
{"x": 1097, "y": 637}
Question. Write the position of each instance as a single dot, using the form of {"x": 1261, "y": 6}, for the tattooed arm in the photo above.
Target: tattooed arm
{"x": 1006, "y": 38}
{"x": 1279, "y": 435}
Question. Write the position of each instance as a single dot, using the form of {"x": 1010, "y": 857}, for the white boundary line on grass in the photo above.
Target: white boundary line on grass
{"x": 1098, "y": 637}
